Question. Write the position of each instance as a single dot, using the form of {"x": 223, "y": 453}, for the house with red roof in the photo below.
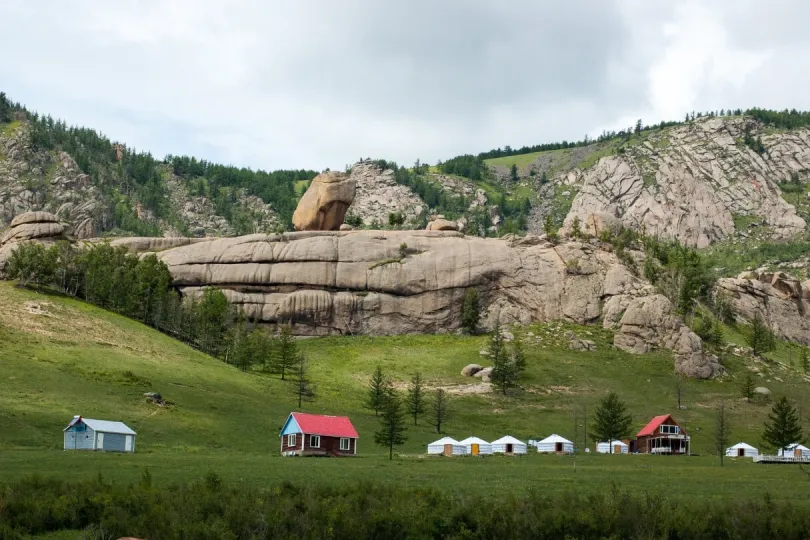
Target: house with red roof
{"x": 663, "y": 435}
{"x": 306, "y": 434}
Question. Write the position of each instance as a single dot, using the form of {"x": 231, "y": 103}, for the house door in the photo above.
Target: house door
{"x": 509, "y": 449}
{"x": 99, "y": 441}
{"x": 448, "y": 449}
{"x": 128, "y": 444}
{"x": 617, "y": 449}
{"x": 474, "y": 449}
{"x": 740, "y": 452}
{"x": 797, "y": 453}
{"x": 558, "y": 447}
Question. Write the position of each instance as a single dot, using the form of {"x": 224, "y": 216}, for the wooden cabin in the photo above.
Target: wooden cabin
{"x": 663, "y": 435}
{"x": 318, "y": 435}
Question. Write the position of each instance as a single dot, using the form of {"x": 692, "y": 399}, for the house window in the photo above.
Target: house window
{"x": 314, "y": 441}
{"x": 291, "y": 440}
{"x": 672, "y": 430}
{"x": 345, "y": 444}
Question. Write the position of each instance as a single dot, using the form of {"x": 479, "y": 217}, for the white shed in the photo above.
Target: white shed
{"x": 446, "y": 446}
{"x": 612, "y": 447}
{"x": 555, "y": 444}
{"x": 741, "y": 449}
{"x": 476, "y": 446}
{"x": 795, "y": 450}
{"x": 508, "y": 445}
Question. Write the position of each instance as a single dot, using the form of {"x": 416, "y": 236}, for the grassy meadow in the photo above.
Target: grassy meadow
{"x": 60, "y": 357}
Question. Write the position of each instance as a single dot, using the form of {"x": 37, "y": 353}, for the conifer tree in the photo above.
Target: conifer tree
{"x": 760, "y": 337}
{"x": 379, "y": 387}
{"x": 748, "y": 386}
{"x": 440, "y": 409}
{"x": 513, "y": 173}
{"x": 415, "y": 401}
{"x": 392, "y": 424}
{"x": 285, "y": 351}
{"x": 722, "y": 432}
{"x": 611, "y": 420}
{"x": 302, "y": 384}
{"x": 470, "y": 311}
{"x": 782, "y": 428}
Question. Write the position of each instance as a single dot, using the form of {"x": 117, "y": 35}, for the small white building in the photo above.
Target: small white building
{"x": 555, "y": 444}
{"x": 446, "y": 446}
{"x": 476, "y": 446}
{"x": 795, "y": 450}
{"x": 611, "y": 447}
{"x": 89, "y": 434}
{"x": 742, "y": 449}
{"x": 508, "y": 445}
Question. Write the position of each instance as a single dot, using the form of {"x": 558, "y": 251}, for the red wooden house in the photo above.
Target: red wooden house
{"x": 662, "y": 435}
{"x": 318, "y": 435}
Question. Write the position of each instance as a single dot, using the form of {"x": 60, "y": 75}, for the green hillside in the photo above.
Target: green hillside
{"x": 61, "y": 357}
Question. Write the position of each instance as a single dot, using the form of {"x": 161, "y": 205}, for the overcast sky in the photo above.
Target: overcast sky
{"x": 320, "y": 83}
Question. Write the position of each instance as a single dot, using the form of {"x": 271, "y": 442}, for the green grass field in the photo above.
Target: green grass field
{"x": 72, "y": 358}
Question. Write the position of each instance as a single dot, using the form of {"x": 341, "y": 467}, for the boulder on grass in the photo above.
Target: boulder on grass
{"x": 471, "y": 369}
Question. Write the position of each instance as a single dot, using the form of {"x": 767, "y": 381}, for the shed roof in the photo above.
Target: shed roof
{"x": 327, "y": 426}
{"x": 554, "y": 438}
{"x": 103, "y": 426}
{"x": 508, "y": 439}
{"x": 613, "y": 443}
{"x": 795, "y": 446}
{"x": 653, "y": 424}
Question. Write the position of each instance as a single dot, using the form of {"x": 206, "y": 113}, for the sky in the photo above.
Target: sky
{"x": 321, "y": 83}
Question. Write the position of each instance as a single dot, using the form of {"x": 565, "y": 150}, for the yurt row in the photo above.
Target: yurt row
{"x": 474, "y": 446}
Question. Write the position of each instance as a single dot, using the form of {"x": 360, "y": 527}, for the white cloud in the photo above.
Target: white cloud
{"x": 319, "y": 84}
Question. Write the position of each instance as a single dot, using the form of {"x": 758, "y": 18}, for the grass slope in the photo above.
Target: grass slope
{"x": 77, "y": 359}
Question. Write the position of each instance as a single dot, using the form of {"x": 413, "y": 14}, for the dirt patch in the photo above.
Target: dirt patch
{"x": 467, "y": 389}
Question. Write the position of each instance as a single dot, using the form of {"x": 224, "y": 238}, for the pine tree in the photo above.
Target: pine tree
{"x": 518, "y": 357}
{"x": 470, "y": 311}
{"x": 440, "y": 409}
{"x": 285, "y": 351}
{"x": 513, "y": 173}
{"x": 415, "y": 401}
{"x": 551, "y": 230}
{"x": 378, "y": 390}
{"x": 611, "y": 420}
{"x": 502, "y": 376}
{"x": 302, "y": 384}
{"x": 722, "y": 432}
{"x": 392, "y": 425}
{"x": 760, "y": 337}
{"x": 748, "y": 386}
{"x": 782, "y": 428}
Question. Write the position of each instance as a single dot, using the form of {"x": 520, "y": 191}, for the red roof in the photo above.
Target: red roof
{"x": 650, "y": 428}
{"x": 327, "y": 426}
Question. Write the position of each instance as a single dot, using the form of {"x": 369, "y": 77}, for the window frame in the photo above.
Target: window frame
{"x": 314, "y": 438}
{"x": 291, "y": 440}
{"x": 348, "y": 444}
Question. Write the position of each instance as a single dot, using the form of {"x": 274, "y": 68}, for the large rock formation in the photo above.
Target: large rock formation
{"x": 366, "y": 282}
{"x": 378, "y": 195}
{"x": 649, "y": 323}
{"x": 41, "y": 227}
{"x": 781, "y": 300}
{"x": 690, "y": 181}
{"x": 324, "y": 205}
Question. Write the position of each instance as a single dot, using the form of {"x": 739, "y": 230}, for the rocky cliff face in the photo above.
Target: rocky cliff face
{"x": 689, "y": 182}
{"x": 41, "y": 227}
{"x": 781, "y": 300}
{"x": 378, "y": 195}
{"x": 396, "y": 282}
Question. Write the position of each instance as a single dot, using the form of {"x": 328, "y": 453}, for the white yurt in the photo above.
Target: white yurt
{"x": 476, "y": 446}
{"x": 612, "y": 447}
{"x": 555, "y": 444}
{"x": 508, "y": 445}
{"x": 741, "y": 449}
{"x": 795, "y": 450}
{"x": 447, "y": 446}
